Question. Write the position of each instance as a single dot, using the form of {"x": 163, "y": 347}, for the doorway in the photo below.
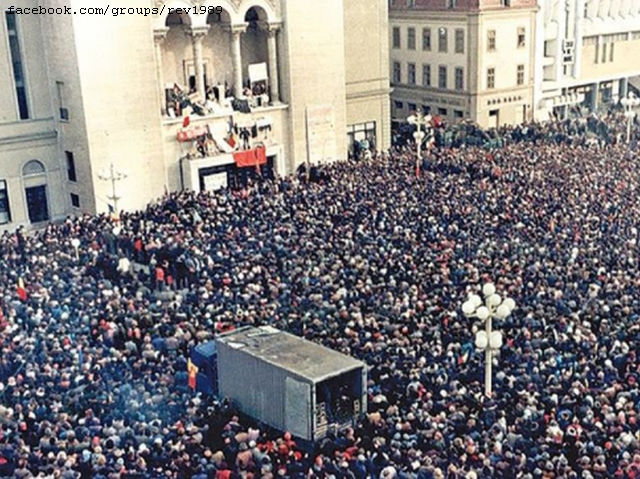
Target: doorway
{"x": 494, "y": 118}
{"x": 37, "y": 204}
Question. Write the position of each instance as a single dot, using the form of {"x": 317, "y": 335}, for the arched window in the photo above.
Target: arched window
{"x": 33, "y": 167}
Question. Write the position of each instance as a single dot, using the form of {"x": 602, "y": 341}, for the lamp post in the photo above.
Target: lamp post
{"x": 488, "y": 340}
{"x": 113, "y": 176}
{"x": 75, "y": 242}
{"x": 629, "y": 103}
{"x": 418, "y": 120}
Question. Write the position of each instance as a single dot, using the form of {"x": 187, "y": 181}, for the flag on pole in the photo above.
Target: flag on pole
{"x": 192, "y": 371}
{"x": 22, "y": 292}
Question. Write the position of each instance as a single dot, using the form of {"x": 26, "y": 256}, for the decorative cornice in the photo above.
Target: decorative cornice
{"x": 159, "y": 34}
{"x": 274, "y": 26}
{"x": 237, "y": 28}
{"x": 199, "y": 32}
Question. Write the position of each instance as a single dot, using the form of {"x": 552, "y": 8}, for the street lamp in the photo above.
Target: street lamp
{"x": 488, "y": 340}
{"x": 629, "y": 103}
{"x": 113, "y": 176}
{"x": 75, "y": 242}
{"x": 418, "y": 120}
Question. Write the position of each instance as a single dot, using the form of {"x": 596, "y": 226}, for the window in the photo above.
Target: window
{"x": 459, "y": 78}
{"x": 442, "y": 76}
{"x": 451, "y": 3}
{"x": 491, "y": 78}
{"x": 459, "y": 114}
{"x": 398, "y": 105}
{"x": 604, "y": 53}
{"x": 16, "y": 63}
{"x": 426, "y": 110}
{"x": 411, "y": 38}
{"x": 396, "y": 37}
{"x": 426, "y": 75}
{"x": 75, "y": 200}
{"x": 459, "y": 40}
{"x": 412, "y": 106}
{"x": 426, "y": 39}
{"x": 5, "y": 213}
{"x": 397, "y": 72}
{"x": 442, "y": 40}
{"x": 71, "y": 166}
{"x": 411, "y": 74}
{"x": 64, "y": 112}
{"x": 491, "y": 40}
{"x": 442, "y": 111}
{"x": 521, "y": 37}
{"x": 520, "y": 77}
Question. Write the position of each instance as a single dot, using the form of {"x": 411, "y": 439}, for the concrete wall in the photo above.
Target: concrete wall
{"x": 119, "y": 90}
{"x": 622, "y": 65}
{"x": 366, "y": 50}
{"x": 314, "y": 69}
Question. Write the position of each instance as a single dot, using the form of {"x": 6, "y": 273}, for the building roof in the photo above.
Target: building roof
{"x": 291, "y": 353}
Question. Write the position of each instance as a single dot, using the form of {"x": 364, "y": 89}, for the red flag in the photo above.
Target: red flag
{"x": 22, "y": 292}
{"x": 186, "y": 122}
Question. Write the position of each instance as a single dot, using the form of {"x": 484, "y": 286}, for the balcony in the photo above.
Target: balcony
{"x": 210, "y": 140}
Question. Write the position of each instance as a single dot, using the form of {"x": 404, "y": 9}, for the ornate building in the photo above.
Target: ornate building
{"x": 463, "y": 59}
{"x": 193, "y": 95}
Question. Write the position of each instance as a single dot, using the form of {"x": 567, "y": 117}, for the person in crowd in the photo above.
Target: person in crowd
{"x": 368, "y": 260}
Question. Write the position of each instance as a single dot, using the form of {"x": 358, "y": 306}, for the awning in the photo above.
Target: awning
{"x": 254, "y": 157}
{"x": 570, "y": 99}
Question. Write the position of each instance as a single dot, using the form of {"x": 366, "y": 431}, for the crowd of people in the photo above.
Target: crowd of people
{"x": 370, "y": 260}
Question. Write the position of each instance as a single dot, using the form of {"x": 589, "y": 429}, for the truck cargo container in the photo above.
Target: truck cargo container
{"x": 290, "y": 383}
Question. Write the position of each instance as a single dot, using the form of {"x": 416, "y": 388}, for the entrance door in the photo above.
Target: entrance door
{"x": 37, "y": 204}
{"x": 494, "y": 118}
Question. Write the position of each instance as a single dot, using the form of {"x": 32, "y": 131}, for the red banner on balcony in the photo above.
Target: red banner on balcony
{"x": 192, "y": 133}
{"x": 255, "y": 157}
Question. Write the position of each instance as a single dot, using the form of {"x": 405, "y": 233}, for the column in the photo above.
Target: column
{"x": 593, "y": 99}
{"x": 236, "y": 53}
{"x": 158, "y": 36}
{"x": 623, "y": 88}
{"x": 274, "y": 87}
{"x": 197, "y": 34}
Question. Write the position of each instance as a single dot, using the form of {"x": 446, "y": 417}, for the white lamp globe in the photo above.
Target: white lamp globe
{"x": 494, "y": 300}
{"x": 510, "y": 303}
{"x": 488, "y": 289}
{"x": 412, "y": 119}
{"x": 468, "y": 308}
{"x": 481, "y": 340}
{"x": 503, "y": 311}
{"x": 75, "y": 242}
{"x": 482, "y": 312}
{"x": 476, "y": 300}
{"x": 496, "y": 340}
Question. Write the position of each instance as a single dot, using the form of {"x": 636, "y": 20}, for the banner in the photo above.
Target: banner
{"x": 192, "y": 133}
{"x": 255, "y": 157}
{"x": 321, "y": 134}
{"x": 258, "y": 72}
